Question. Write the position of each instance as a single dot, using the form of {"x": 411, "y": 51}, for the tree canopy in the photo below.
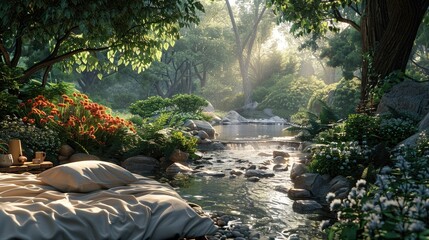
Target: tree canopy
{"x": 387, "y": 28}
{"x": 128, "y": 32}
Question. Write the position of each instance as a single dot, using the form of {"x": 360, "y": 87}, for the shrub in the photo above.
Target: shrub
{"x": 290, "y": 94}
{"x": 32, "y": 138}
{"x": 394, "y": 130}
{"x": 158, "y": 139}
{"x": 395, "y": 207}
{"x": 359, "y": 127}
{"x": 346, "y": 159}
{"x": 188, "y": 103}
{"x": 85, "y": 125}
{"x": 150, "y": 107}
{"x": 9, "y": 88}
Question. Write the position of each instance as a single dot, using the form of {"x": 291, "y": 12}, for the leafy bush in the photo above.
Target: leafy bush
{"x": 360, "y": 127}
{"x": 9, "y": 89}
{"x": 394, "y": 130}
{"x": 85, "y": 125}
{"x": 290, "y": 94}
{"x": 158, "y": 139}
{"x": 32, "y": 138}
{"x": 395, "y": 207}
{"x": 188, "y": 103}
{"x": 150, "y": 107}
{"x": 346, "y": 159}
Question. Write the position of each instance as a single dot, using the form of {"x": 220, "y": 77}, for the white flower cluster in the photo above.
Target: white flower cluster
{"x": 397, "y": 204}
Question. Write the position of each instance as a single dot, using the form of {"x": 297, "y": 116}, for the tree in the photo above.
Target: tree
{"x": 387, "y": 28}
{"x": 244, "y": 45}
{"x": 129, "y": 32}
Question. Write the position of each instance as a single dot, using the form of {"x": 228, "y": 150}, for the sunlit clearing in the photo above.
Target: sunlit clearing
{"x": 277, "y": 40}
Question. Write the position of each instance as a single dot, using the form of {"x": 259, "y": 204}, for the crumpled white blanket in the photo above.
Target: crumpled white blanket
{"x": 147, "y": 209}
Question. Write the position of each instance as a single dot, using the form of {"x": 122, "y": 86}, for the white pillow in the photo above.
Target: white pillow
{"x": 86, "y": 176}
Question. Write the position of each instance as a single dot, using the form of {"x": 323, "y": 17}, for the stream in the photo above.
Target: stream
{"x": 257, "y": 204}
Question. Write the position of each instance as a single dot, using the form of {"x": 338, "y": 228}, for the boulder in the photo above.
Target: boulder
{"x": 339, "y": 185}
{"x": 317, "y": 184}
{"x": 143, "y": 165}
{"x": 82, "y": 157}
{"x": 205, "y": 126}
{"x": 179, "y": 156}
{"x": 66, "y": 150}
{"x": 211, "y": 146}
{"x": 176, "y": 168}
{"x": 408, "y": 96}
{"x": 280, "y": 153}
{"x": 297, "y": 170}
{"x": 306, "y": 206}
{"x": 202, "y": 134}
{"x": 279, "y": 160}
{"x": 208, "y": 108}
{"x": 234, "y": 118}
{"x": 253, "y": 179}
{"x": 190, "y": 124}
{"x": 280, "y": 168}
{"x": 294, "y": 193}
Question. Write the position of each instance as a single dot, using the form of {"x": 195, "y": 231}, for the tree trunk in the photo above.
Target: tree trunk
{"x": 388, "y": 30}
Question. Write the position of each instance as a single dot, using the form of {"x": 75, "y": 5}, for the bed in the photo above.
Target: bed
{"x": 94, "y": 200}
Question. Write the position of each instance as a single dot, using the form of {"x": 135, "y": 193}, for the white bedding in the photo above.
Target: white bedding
{"x": 30, "y": 209}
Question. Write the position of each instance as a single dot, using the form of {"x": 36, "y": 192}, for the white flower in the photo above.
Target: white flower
{"x": 330, "y": 196}
{"x": 361, "y": 183}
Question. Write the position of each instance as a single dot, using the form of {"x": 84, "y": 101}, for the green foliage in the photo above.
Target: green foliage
{"x": 9, "y": 88}
{"x": 52, "y": 91}
{"x": 158, "y": 139}
{"x": 344, "y": 50}
{"x": 188, "y": 103}
{"x": 289, "y": 94}
{"x": 342, "y": 97}
{"x": 179, "y": 108}
{"x": 395, "y": 207}
{"x": 384, "y": 85}
{"x": 32, "y": 138}
{"x": 345, "y": 158}
{"x": 394, "y": 130}
{"x": 362, "y": 127}
{"x": 150, "y": 106}
{"x": 130, "y": 33}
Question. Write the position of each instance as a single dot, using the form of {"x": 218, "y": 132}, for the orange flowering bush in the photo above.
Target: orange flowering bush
{"x": 82, "y": 122}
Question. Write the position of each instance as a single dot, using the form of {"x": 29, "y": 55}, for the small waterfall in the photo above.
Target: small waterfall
{"x": 289, "y": 146}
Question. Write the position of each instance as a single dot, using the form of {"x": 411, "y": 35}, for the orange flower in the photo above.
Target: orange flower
{"x": 25, "y": 119}
{"x": 31, "y": 121}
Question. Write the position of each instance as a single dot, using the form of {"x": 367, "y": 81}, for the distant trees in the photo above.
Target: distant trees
{"x": 387, "y": 28}
{"x": 129, "y": 32}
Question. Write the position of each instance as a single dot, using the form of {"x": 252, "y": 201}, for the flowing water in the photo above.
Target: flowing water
{"x": 258, "y": 204}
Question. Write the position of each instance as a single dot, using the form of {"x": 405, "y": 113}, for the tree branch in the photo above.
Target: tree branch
{"x": 47, "y": 62}
{"x": 5, "y": 54}
{"x": 340, "y": 18}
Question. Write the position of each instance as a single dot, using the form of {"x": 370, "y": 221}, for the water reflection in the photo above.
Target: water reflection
{"x": 249, "y": 132}
{"x": 257, "y": 204}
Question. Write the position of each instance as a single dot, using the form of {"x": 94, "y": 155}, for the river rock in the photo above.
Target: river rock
{"x": 317, "y": 184}
{"x": 306, "y": 206}
{"x": 190, "y": 124}
{"x": 82, "y": 157}
{"x": 281, "y": 189}
{"x": 280, "y": 168}
{"x": 176, "y": 168}
{"x": 258, "y": 173}
{"x": 236, "y": 172}
{"x": 253, "y": 179}
{"x": 205, "y": 126}
{"x": 202, "y": 134}
{"x": 297, "y": 170}
{"x": 210, "y": 173}
{"x": 279, "y": 160}
{"x": 143, "y": 165}
{"x": 294, "y": 193}
{"x": 179, "y": 156}
{"x": 234, "y": 118}
{"x": 280, "y": 153}
{"x": 211, "y": 146}
{"x": 339, "y": 185}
